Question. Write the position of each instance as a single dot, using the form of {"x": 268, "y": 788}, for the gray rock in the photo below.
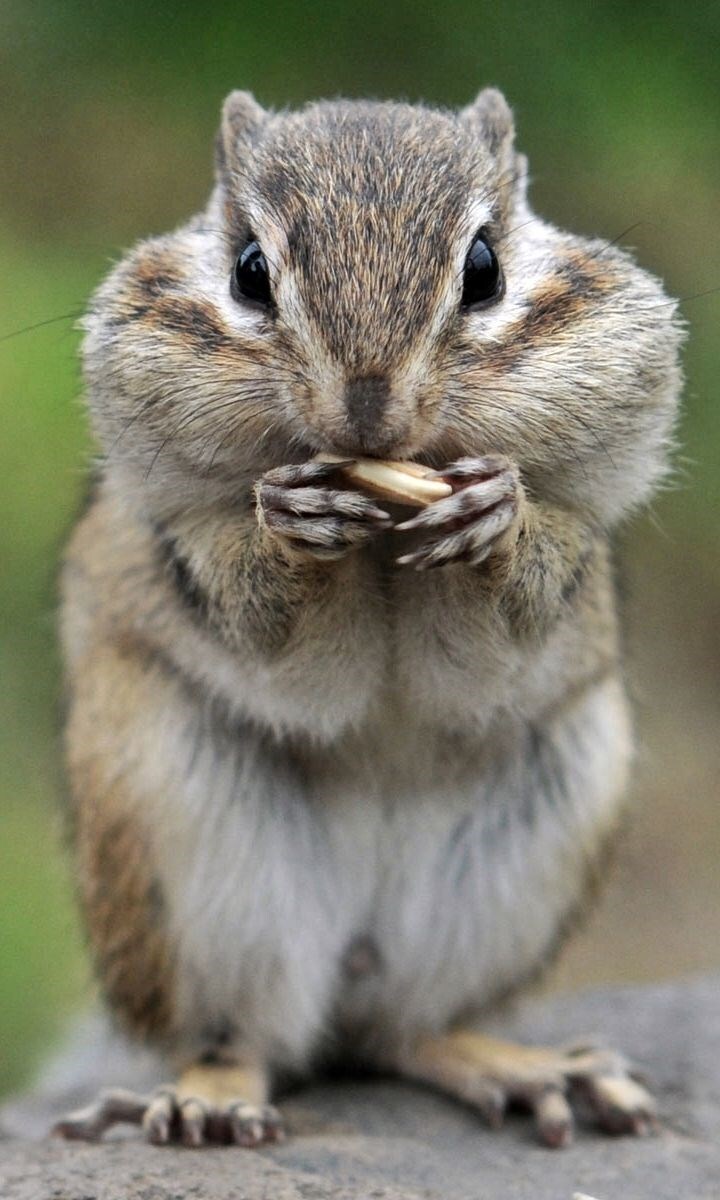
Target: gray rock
{"x": 370, "y": 1140}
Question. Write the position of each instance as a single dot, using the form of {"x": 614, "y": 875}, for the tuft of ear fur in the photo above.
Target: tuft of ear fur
{"x": 242, "y": 120}
{"x": 491, "y": 116}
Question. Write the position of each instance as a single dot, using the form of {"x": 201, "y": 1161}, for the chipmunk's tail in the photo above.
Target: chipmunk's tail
{"x": 93, "y": 1056}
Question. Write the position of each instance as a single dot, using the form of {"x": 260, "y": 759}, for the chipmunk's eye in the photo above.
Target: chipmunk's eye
{"x": 482, "y": 279}
{"x": 250, "y": 277}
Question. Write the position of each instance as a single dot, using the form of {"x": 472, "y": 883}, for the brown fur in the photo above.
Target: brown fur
{"x": 248, "y": 642}
{"x": 568, "y": 297}
{"x": 122, "y": 900}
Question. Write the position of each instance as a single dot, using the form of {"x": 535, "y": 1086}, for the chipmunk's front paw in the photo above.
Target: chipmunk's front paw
{"x": 468, "y": 526}
{"x": 297, "y": 505}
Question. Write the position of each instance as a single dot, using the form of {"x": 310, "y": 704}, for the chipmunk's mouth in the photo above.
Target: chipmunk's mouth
{"x": 383, "y": 447}
{"x": 389, "y": 439}
{"x": 406, "y": 441}
{"x": 381, "y": 438}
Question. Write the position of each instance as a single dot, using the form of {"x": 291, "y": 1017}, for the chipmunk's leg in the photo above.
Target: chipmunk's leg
{"x": 116, "y": 789}
{"x": 490, "y": 1074}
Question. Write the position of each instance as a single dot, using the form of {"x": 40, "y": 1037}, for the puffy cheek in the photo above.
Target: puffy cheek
{"x": 147, "y": 388}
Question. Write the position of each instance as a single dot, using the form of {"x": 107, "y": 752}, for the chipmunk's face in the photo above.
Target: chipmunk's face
{"x": 367, "y": 280}
{"x": 364, "y": 239}
{"x": 366, "y": 236}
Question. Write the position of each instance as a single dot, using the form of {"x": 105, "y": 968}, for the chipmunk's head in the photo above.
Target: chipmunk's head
{"x": 365, "y": 234}
{"x": 367, "y": 279}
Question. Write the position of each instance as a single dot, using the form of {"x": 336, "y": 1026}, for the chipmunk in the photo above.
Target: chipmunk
{"x": 344, "y": 773}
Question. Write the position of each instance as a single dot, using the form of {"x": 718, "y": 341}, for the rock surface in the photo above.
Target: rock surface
{"x": 367, "y": 1140}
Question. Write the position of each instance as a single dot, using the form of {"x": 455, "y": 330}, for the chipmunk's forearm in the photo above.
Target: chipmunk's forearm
{"x": 533, "y": 618}
{"x": 537, "y": 573}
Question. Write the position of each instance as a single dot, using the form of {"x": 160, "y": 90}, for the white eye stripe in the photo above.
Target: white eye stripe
{"x": 239, "y": 317}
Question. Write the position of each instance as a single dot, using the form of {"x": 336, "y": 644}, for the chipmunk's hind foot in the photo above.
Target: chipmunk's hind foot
{"x": 492, "y": 1075}
{"x": 213, "y": 1105}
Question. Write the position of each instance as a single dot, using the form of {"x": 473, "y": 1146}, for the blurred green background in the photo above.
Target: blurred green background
{"x": 109, "y": 112}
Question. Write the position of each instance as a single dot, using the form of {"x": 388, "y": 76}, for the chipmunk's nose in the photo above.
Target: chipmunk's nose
{"x": 366, "y": 399}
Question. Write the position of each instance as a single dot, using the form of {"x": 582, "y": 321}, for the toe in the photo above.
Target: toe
{"x": 193, "y": 1117}
{"x": 112, "y": 1107}
{"x": 252, "y": 1124}
{"x": 621, "y": 1105}
{"x": 79, "y": 1126}
{"x": 273, "y": 1124}
{"x": 491, "y": 1101}
{"x": 553, "y": 1118}
{"x": 302, "y": 474}
{"x": 158, "y": 1118}
{"x": 246, "y": 1125}
{"x": 474, "y": 469}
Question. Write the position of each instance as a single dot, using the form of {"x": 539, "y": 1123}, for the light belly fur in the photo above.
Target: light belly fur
{"x": 459, "y": 882}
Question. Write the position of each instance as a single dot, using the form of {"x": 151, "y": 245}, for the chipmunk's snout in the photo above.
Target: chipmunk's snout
{"x": 370, "y": 412}
{"x": 366, "y": 400}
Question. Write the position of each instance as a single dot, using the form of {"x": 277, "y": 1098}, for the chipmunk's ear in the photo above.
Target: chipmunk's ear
{"x": 490, "y": 119}
{"x": 242, "y": 120}
{"x": 490, "y": 115}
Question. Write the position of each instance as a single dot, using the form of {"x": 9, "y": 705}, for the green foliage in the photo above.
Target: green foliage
{"x": 110, "y": 112}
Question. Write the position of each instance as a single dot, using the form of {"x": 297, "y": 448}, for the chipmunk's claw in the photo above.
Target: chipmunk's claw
{"x": 467, "y": 526}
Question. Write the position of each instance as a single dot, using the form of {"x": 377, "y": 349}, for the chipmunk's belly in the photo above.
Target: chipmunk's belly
{"x": 368, "y": 898}
{"x": 473, "y": 883}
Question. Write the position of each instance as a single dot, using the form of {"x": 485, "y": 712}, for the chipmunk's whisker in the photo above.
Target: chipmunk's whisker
{"x": 71, "y": 316}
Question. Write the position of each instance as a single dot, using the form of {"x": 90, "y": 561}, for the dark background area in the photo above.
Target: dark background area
{"x": 108, "y": 118}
